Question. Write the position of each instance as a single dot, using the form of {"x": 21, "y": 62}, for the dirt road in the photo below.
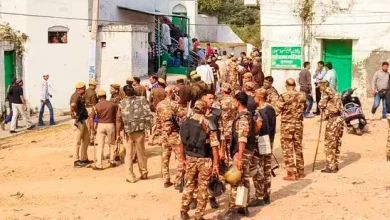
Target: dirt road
{"x": 38, "y": 181}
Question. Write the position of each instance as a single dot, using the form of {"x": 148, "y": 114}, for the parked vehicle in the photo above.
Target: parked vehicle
{"x": 353, "y": 113}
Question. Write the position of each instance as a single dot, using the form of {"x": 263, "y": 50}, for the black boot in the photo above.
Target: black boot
{"x": 193, "y": 204}
{"x": 184, "y": 215}
{"x": 243, "y": 211}
{"x": 213, "y": 203}
{"x": 329, "y": 170}
{"x": 256, "y": 203}
{"x": 267, "y": 199}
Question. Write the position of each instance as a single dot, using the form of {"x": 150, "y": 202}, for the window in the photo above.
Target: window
{"x": 58, "y": 35}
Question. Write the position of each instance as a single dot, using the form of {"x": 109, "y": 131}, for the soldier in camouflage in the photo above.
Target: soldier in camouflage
{"x": 272, "y": 93}
{"x": 242, "y": 147}
{"x": 167, "y": 114}
{"x": 198, "y": 167}
{"x": 134, "y": 116}
{"x": 247, "y": 77}
{"x": 196, "y": 89}
{"x": 291, "y": 106}
{"x": 262, "y": 179}
{"x": 332, "y": 105}
{"x": 233, "y": 75}
{"x": 228, "y": 113}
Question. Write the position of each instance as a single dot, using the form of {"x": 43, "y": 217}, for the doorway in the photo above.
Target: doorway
{"x": 9, "y": 68}
{"x": 339, "y": 53}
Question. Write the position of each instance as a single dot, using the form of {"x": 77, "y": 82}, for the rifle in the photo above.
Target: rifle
{"x": 274, "y": 167}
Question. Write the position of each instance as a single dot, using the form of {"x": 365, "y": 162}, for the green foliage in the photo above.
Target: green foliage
{"x": 7, "y": 33}
{"x": 243, "y": 20}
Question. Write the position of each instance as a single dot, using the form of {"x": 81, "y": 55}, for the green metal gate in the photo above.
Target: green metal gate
{"x": 9, "y": 68}
{"x": 339, "y": 53}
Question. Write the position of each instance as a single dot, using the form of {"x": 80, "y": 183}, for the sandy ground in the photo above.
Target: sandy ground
{"x": 38, "y": 181}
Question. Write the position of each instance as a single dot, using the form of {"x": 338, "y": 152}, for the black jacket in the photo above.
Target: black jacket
{"x": 269, "y": 122}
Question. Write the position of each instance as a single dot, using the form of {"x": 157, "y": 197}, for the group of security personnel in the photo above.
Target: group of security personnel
{"x": 205, "y": 131}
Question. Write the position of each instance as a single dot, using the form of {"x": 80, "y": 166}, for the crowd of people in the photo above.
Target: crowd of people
{"x": 208, "y": 130}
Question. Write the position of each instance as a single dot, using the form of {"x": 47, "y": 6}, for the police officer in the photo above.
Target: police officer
{"x": 199, "y": 136}
{"x": 157, "y": 94}
{"x": 80, "y": 114}
{"x": 332, "y": 105}
{"x": 272, "y": 93}
{"x": 91, "y": 100}
{"x": 167, "y": 113}
{"x": 242, "y": 147}
{"x": 233, "y": 75}
{"x": 115, "y": 93}
{"x": 130, "y": 108}
{"x": 139, "y": 89}
{"x": 262, "y": 179}
{"x": 105, "y": 133}
{"x": 291, "y": 106}
{"x": 129, "y": 82}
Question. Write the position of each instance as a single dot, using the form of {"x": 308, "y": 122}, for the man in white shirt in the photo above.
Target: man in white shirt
{"x": 45, "y": 101}
{"x": 206, "y": 73}
{"x": 166, "y": 36}
{"x": 330, "y": 75}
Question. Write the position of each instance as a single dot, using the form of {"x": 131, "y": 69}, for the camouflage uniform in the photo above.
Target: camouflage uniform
{"x": 228, "y": 114}
{"x": 262, "y": 179}
{"x": 291, "y": 105}
{"x": 135, "y": 117}
{"x": 242, "y": 127}
{"x": 198, "y": 172}
{"x": 166, "y": 110}
{"x": 233, "y": 77}
{"x": 272, "y": 96}
{"x": 331, "y": 101}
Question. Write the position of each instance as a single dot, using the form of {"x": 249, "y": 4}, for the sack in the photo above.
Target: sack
{"x": 264, "y": 145}
{"x": 382, "y": 93}
{"x": 136, "y": 114}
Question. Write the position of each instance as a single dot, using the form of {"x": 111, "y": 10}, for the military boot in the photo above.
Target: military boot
{"x": 300, "y": 175}
{"x": 330, "y": 170}
{"x": 243, "y": 211}
{"x": 256, "y": 203}
{"x": 184, "y": 216}
{"x": 267, "y": 199}
{"x": 290, "y": 177}
{"x": 213, "y": 203}
{"x": 168, "y": 184}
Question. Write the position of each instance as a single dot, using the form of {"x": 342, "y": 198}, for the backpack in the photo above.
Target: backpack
{"x": 136, "y": 114}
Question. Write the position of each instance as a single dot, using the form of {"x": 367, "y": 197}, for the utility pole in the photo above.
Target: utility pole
{"x": 94, "y": 36}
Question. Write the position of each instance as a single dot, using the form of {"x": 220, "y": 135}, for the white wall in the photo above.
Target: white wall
{"x": 66, "y": 63}
{"x": 192, "y": 12}
{"x": 366, "y": 37}
{"x": 125, "y": 54}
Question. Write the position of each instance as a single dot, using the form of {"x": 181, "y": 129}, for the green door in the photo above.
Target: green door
{"x": 9, "y": 68}
{"x": 181, "y": 23}
{"x": 339, "y": 53}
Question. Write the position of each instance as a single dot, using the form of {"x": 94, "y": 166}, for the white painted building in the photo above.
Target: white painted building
{"x": 353, "y": 35}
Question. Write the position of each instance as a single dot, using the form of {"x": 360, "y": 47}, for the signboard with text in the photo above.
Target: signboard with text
{"x": 286, "y": 57}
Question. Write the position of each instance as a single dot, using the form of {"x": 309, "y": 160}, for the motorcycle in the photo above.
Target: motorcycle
{"x": 353, "y": 113}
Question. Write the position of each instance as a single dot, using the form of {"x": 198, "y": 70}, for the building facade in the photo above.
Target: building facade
{"x": 350, "y": 34}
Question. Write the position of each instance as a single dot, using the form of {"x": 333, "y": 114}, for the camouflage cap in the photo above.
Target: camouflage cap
{"x": 101, "y": 92}
{"x": 226, "y": 87}
{"x": 250, "y": 85}
{"x": 248, "y": 75}
{"x": 262, "y": 93}
{"x": 92, "y": 82}
{"x": 200, "y": 107}
{"x": 115, "y": 85}
{"x": 80, "y": 85}
{"x": 161, "y": 80}
{"x": 130, "y": 79}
